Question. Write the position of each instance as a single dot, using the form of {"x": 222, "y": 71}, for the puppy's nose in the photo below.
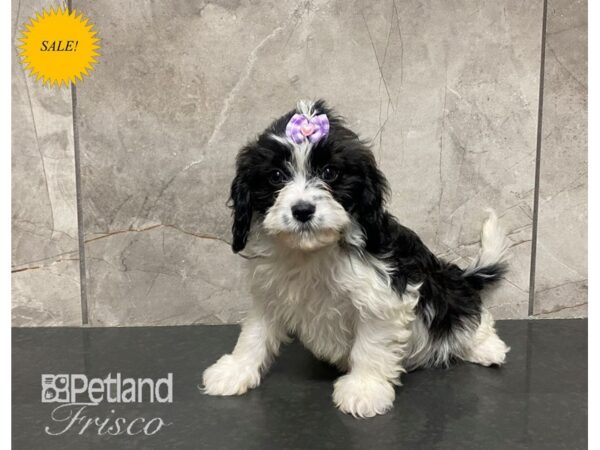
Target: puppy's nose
{"x": 303, "y": 211}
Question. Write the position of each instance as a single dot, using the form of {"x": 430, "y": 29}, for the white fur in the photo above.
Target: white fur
{"x": 480, "y": 345}
{"x": 485, "y": 347}
{"x": 341, "y": 306}
{"x": 282, "y": 140}
{"x": 330, "y": 220}
{"x": 306, "y": 107}
{"x": 235, "y": 373}
{"x": 363, "y": 395}
{"x": 494, "y": 244}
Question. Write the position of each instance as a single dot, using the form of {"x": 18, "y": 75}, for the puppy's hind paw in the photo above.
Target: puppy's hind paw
{"x": 491, "y": 352}
{"x": 363, "y": 396}
{"x": 229, "y": 376}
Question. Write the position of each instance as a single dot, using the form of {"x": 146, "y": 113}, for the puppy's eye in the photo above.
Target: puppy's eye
{"x": 329, "y": 174}
{"x": 277, "y": 177}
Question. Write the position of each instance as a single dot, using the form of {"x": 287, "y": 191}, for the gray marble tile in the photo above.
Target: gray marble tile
{"x": 446, "y": 92}
{"x": 45, "y": 285}
{"x": 48, "y": 295}
{"x": 161, "y": 275}
{"x": 561, "y": 263}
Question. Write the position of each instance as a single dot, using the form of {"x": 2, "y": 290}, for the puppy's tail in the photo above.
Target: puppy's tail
{"x": 490, "y": 265}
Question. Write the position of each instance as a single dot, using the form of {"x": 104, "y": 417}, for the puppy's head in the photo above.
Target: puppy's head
{"x": 308, "y": 193}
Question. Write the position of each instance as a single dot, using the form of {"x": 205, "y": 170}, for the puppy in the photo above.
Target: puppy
{"x": 331, "y": 266}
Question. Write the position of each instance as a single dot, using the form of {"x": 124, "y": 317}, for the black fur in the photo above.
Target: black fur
{"x": 251, "y": 192}
{"x": 449, "y": 297}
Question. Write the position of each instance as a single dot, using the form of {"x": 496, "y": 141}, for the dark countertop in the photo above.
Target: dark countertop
{"x": 538, "y": 400}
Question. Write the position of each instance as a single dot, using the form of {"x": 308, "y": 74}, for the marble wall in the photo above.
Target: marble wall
{"x": 561, "y": 261}
{"x": 45, "y": 255}
{"x": 447, "y": 92}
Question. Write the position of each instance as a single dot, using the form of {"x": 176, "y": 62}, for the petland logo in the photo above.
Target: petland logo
{"x": 78, "y": 395}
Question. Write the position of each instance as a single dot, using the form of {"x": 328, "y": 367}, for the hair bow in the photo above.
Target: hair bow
{"x": 301, "y": 127}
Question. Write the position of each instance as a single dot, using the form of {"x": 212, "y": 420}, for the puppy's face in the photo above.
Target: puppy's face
{"x": 308, "y": 194}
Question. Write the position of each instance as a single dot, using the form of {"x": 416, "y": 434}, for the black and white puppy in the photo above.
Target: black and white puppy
{"x": 331, "y": 266}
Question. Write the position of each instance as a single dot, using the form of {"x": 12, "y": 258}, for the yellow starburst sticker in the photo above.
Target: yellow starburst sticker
{"x": 59, "y": 46}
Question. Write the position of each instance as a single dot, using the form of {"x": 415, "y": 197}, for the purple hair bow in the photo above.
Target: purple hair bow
{"x": 300, "y": 128}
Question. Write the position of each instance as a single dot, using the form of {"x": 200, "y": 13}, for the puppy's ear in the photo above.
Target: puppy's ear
{"x": 370, "y": 208}
{"x": 240, "y": 202}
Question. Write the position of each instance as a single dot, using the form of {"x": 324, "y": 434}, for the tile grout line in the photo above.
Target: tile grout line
{"x": 80, "y": 231}
{"x": 82, "y": 271}
{"x": 538, "y": 154}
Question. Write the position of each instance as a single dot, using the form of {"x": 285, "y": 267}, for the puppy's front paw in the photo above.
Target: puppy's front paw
{"x": 363, "y": 396}
{"x": 229, "y": 376}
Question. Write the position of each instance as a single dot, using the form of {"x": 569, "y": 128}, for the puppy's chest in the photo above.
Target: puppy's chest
{"x": 324, "y": 324}
{"x": 313, "y": 301}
